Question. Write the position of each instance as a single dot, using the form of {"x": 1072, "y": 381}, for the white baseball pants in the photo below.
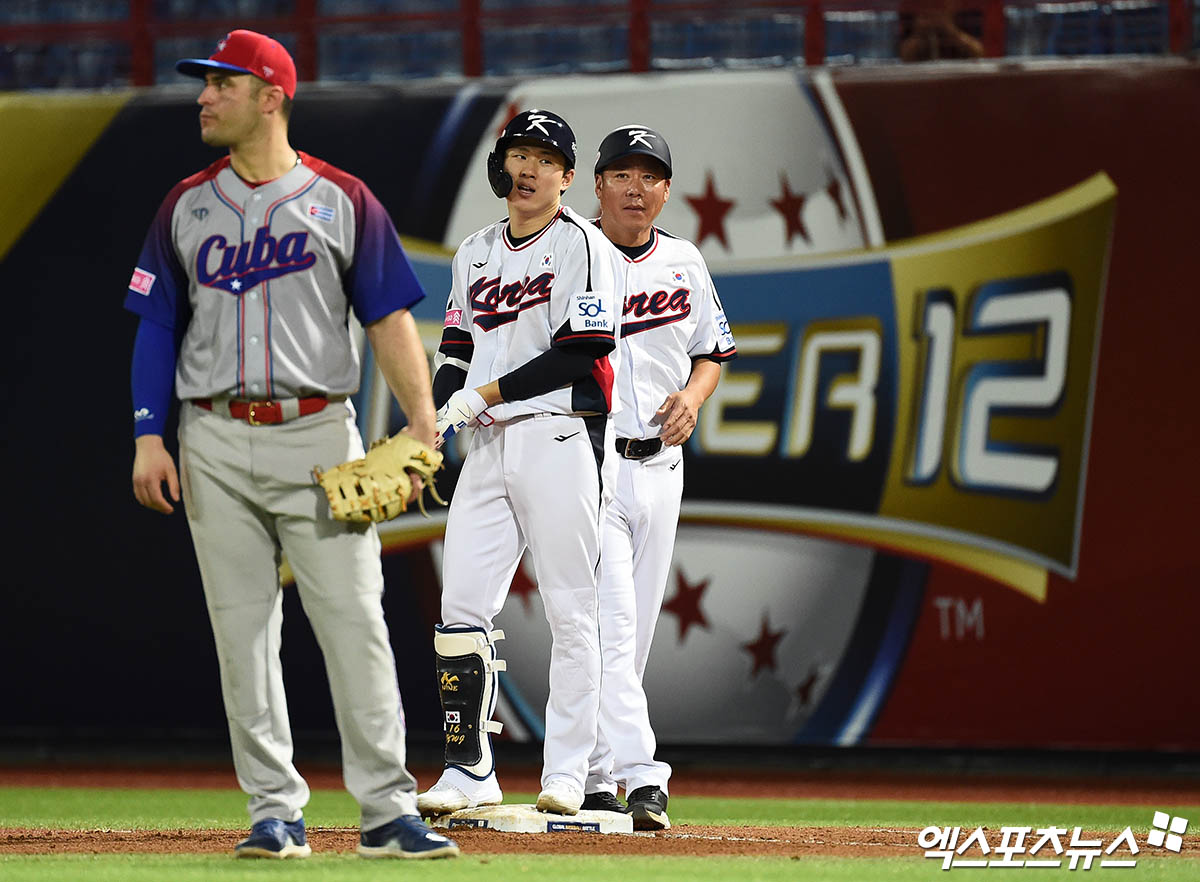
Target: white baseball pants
{"x": 638, "y": 544}
{"x": 537, "y": 482}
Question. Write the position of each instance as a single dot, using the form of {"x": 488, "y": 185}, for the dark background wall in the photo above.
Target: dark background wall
{"x": 102, "y": 622}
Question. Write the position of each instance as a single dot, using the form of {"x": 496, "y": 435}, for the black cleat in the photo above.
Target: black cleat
{"x": 601, "y": 802}
{"x": 648, "y": 805}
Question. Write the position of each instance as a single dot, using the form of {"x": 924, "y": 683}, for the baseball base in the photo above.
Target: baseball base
{"x": 527, "y": 819}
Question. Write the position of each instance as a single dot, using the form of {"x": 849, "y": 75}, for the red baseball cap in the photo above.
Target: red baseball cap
{"x": 247, "y": 52}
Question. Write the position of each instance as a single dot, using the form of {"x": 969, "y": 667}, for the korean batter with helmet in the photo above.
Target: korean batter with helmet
{"x": 243, "y": 290}
{"x": 528, "y": 360}
{"x": 673, "y": 339}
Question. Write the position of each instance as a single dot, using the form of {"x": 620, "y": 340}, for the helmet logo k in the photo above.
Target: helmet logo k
{"x": 639, "y": 136}
{"x": 536, "y": 120}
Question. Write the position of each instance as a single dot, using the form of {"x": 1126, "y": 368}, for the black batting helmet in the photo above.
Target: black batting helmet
{"x": 629, "y": 140}
{"x": 537, "y": 125}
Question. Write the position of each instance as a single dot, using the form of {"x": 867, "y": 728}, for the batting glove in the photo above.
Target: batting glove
{"x": 460, "y": 411}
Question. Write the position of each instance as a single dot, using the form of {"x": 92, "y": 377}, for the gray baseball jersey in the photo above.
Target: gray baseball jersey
{"x": 263, "y": 277}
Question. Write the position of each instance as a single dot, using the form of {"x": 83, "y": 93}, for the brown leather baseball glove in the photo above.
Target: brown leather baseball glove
{"x": 377, "y": 487}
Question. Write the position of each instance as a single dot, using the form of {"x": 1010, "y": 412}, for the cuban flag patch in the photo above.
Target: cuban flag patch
{"x": 321, "y": 212}
{"x": 142, "y": 281}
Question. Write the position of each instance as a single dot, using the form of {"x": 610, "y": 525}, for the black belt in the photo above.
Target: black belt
{"x": 633, "y": 448}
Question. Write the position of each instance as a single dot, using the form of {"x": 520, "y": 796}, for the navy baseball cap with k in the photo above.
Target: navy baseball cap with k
{"x": 630, "y": 141}
{"x": 247, "y": 52}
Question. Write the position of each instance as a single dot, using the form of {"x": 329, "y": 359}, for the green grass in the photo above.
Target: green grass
{"x": 118, "y": 809}
{"x": 501, "y": 868}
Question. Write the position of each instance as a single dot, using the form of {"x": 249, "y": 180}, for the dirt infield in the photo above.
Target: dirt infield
{"x": 683, "y": 839}
{"x": 687, "y": 840}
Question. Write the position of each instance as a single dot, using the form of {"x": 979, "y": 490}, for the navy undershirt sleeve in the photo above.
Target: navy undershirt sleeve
{"x": 448, "y": 380}
{"x": 551, "y": 370}
{"x": 152, "y": 377}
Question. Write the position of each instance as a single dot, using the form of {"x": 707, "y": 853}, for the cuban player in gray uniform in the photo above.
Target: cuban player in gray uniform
{"x": 243, "y": 289}
{"x": 673, "y": 339}
{"x": 527, "y": 359}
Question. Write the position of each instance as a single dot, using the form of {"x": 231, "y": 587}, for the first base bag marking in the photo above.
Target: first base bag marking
{"x": 481, "y": 823}
{"x": 572, "y": 827}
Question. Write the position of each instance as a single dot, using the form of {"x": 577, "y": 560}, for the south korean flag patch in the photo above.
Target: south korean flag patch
{"x": 589, "y": 315}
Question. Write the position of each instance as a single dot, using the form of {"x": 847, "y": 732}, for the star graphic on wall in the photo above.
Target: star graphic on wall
{"x": 834, "y": 189}
{"x": 523, "y": 586}
{"x": 513, "y": 109}
{"x": 763, "y": 648}
{"x": 685, "y": 605}
{"x": 712, "y": 210}
{"x": 804, "y": 689}
{"x": 790, "y": 205}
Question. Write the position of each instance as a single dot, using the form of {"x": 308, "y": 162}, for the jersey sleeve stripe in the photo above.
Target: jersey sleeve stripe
{"x": 718, "y": 355}
{"x": 597, "y": 337}
{"x": 458, "y": 344}
{"x": 586, "y": 244}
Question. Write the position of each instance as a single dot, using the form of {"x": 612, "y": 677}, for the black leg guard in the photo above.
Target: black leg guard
{"x": 467, "y": 670}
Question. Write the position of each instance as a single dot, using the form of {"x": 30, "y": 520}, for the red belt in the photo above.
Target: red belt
{"x": 260, "y": 413}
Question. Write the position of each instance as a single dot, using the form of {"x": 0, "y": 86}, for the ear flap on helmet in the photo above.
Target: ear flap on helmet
{"x": 501, "y": 181}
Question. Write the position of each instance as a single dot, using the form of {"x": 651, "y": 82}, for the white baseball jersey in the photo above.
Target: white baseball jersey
{"x": 262, "y": 278}
{"x": 508, "y": 304}
{"x": 671, "y": 315}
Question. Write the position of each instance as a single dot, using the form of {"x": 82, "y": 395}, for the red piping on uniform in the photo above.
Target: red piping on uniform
{"x": 602, "y": 372}
{"x": 525, "y": 245}
{"x": 242, "y": 345}
{"x": 267, "y": 337}
{"x": 228, "y": 198}
{"x": 267, "y": 213}
{"x": 654, "y": 233}
{"x": 600, "y": 337}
